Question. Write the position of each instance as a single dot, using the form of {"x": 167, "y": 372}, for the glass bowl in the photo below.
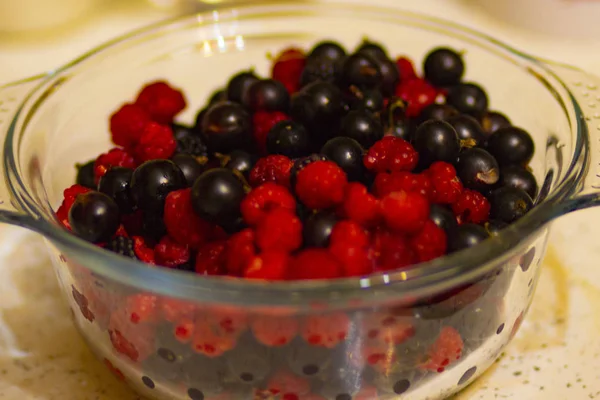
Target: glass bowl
{"x": 422, "y": 333}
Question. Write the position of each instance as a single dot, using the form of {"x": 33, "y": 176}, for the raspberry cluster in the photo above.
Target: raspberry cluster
{"x": 337, "y": 165}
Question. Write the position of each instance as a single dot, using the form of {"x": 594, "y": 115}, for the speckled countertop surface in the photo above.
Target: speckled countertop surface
{"x": 555, "y": 356}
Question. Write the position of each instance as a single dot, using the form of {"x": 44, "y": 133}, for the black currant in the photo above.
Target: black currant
{"x": 443, "y": 217}
{"x": 319, "y": 69}
{"x": 217, "y": 96}
{"x": 494, "y": 226}
{"x": 85, "y": 175}
{"x": 518, "y": 177}
{"x": 468, "y": 129}
{"x": 115, "y": 183}
{"x": 494, "y": 120}
{"x": 267, "y": 95}
{"x": 94, "y": 217}
{"x": 318, "y": 228}
{"x": 437, "y": 111}
{"x": 468, "y": 98}
{"x": 511, "y": 146}
{"x": 152, "y": 181}
{"x": 402, "y": 129}
{"x": 241, "y": 161}
{"x": 362, "y": 71}
{"x": 362, "y": 126}
{"x": 508, "y": 204}
{"x": 216, "y": 196}
{"x": 436, "y": 140}
{"x": 288, "y": 138}
{"x": 190, "y": 167}
{"x": 390, "y": 76}
{"x": 477, "y": 169}
{"x": 465, "y": 236}
{"x": 348, "y": 154}
{"x": 443, "y": 67}
{"x": 226, "y": 126}
{"x": 370, "y": 99}
{"x": 329, "y": 50}
{"x": 374, "y": 50}
{"x": 239, "y": 84}
{"x": 319, "y": 108}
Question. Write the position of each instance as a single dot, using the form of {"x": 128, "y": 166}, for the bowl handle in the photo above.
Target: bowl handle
{"x": 585, "y": 90}
{"x": 12, "y": 97}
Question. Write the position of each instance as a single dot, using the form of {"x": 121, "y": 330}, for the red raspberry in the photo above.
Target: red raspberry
{"x": 161, "y": 101}
{"x": 321, "y": 184}
{"x": 405, "y": 211}
{"x": 314, "y": 264}
{"x": 406, "y": 69}
{"x": 392, "y": 251}
{"x": 446, "y": 185}
{"x": 263, "y": 199}
{"x": 157, "y": 142}
{"x": 288, "y": 67}
{"x": 274, "y": 331}
{"x": 396, "y": 181}
{"x": 391, "y": 154}
{"x": 142, "y": 250}
{"x": 445, "y": 350}
{"x": 355, "y": 260}
{"x": 430, "y": 242}
{"x": 69, "y": 196}
{"x": 263, "y": 122}
{"x": 240, "y": 250}
{"x": 359, "y": 205}
{"x": 127, "y": 125}
{"x": 273, "y": 168}
{"x": 269, "y": 265}
{"x": 325, "y": 330}
{"x": 471, "y": 206}
{"x": 349, "y": 233}
{"x": 142, "y": 308}
{"x": 281, "y": 230}
{"x": 113, "y": 158}
{"x": 171, "y": 254}
{"x": 418, "y": 94}
{"x": 182, "y": 223}
{"x": 210, "y": 259}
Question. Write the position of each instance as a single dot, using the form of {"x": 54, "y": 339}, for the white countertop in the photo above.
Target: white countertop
{"x": 554, "y": 357}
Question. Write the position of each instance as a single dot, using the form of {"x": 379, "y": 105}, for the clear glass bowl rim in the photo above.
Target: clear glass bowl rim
{"x": 426, "y": 278}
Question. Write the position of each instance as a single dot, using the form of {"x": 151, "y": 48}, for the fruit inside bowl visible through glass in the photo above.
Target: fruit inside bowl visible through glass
{"x": 299, "y": 313}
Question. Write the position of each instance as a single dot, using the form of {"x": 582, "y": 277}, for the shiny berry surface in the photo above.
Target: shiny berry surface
{"x": 238, "y": 85}
{"x": 288, "y": 138}
{"x": 217, "y": 195}
{"x": 94, "y": 217}
{"x": 443, "y": 67}
{"x": 511, "y": 146}
{"x": 190, "y": 167}
{"x": 477, "y": 169}
{"x": 115, "y": 184}
{"x": 226, "y": 126}
{"x": 468, "y": 98}
{"x": 152, "y": 181}
{"x": 436, "y": 140}
{"x": 348, "y": 154}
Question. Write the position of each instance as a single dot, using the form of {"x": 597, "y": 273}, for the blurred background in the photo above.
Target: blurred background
{"x": 39, "y": 35}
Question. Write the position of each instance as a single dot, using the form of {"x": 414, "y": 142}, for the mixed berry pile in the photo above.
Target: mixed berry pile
{"x": 339, "y": 164}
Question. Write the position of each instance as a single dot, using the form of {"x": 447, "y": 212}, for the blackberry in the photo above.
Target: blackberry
{"x": 121, "y": 245}
{"x": 192, "y": 144}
